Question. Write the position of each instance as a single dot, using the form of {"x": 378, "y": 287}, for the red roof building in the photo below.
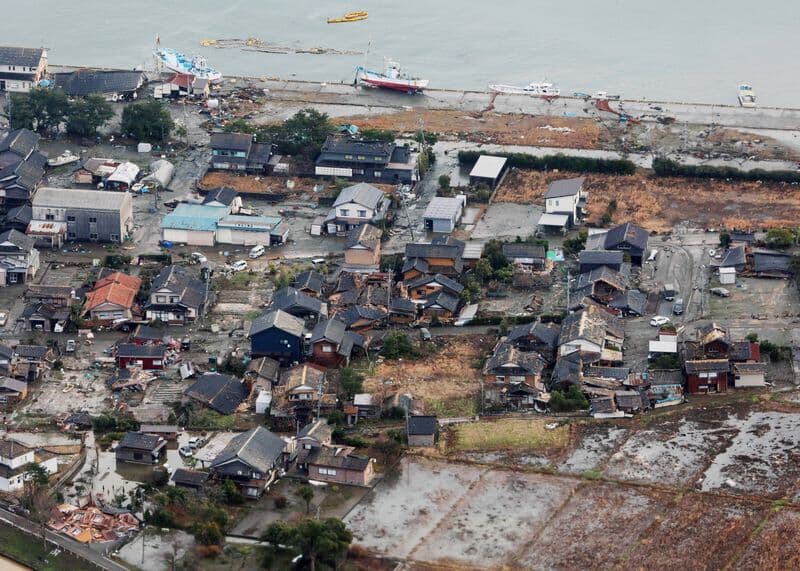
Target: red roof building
{"x": 112, "y": 298}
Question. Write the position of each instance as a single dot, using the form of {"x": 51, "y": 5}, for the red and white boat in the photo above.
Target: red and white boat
{"x": 393, "y": 77}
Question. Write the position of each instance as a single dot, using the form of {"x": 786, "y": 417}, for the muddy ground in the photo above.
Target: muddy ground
{"x": 658, "y": 204}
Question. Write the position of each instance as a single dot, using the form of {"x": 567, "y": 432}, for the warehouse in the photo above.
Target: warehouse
{"x": 488, "y": 170}
{"x": 443, "y": 213}
{"x": 252, "y": 230}
{"x": 192, "y": 224}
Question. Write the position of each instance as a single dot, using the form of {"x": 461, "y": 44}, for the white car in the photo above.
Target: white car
{"x": 3, "y": 318}
{"x": 659, "y": 320}
{"x": 199, "y": 258}
{"x": 239, "y": 266}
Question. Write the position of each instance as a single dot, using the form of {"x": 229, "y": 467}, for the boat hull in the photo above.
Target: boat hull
{"x": 516, "y": 90}
{"x": 177, "y": 62}
{"x": 402, "y": 85}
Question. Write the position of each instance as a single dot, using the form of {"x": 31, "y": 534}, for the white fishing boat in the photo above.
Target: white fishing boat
{"x": 538, "y": 89}
{"x": 179, "y": 63}
{"x": 393, "y": 77}
{"x": 747, "y": 95}
{"x": 604, "y": 96}
{"x": 65, "y": 158}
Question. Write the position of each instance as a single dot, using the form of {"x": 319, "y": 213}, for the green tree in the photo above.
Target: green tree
{"x": 444, "y": 182}
{"x": 483, "y": 270}
{"x": 239, "y": 126}
{"x": 351, "y": 382}
{"x": 231, "y": 492}
{"x": 472, "y": 289}
{"x": 208, "y": 533}
{"x": 40, "y": 109}
{"x": 306, "y": 493}
{"x": 724, "y": 239}
{"x": 86, "y": 115}
{"x": 780, "y": 238}
{"x": 318, "y": 541}
{"x": 397, "y": 345}
{"x": 493, "y": 251}
{"x": 572, "y": 399}
{"x": 37, "y": 497}
{"x": 147, "y": 121}
{"x": 301, "y": 134}
{"x": 389, "y": 449}
{"x": 285, "y": 278}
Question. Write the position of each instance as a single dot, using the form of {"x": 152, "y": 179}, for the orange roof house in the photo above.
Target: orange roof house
{"x": 112, "y": 298}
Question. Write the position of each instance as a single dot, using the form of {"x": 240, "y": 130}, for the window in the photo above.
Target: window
{"x": 348, "y": 157}
{"x": 377, "y": 174}
{"x": 72, "y": 235}
{"x": 362, "y": 158}
{"x": 307, "y": 446}
{"x": 114, "y": 237}
{"x": 327, "y": 349}
{"x": 362, "y": 213}
{"x": 12, "y": 278}
{"x": 327, "y": 471}
{"x": 344, "y": 212}
{"x": 49, "y": 217}
{"x": 378, "y": 158}
{"x": 70, "y": 219}
{"x": 161, "y": 299}
{"x": 92, "y": 219}
{"x": 93, "y": 236}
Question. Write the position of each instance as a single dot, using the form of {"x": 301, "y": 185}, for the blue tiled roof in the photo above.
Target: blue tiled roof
{"x": 194, "y": 217}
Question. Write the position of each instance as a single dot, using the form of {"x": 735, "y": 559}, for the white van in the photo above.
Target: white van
{"x": 257, "y": 251}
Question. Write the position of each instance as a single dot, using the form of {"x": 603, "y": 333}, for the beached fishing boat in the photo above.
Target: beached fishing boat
{"x": 65, "y": 158}
{"x": 349, "y": 17}
{"x": 747, "y": 95}
{"x": 542, "y": 89}
{"x": 393, "y": 77}
{"x": 179, "y": 63}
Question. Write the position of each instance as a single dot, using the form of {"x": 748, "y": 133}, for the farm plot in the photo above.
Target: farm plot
{"x": 595, "y": 445}
{"x": 777, "y": 546}
{"x": 502, "y": 511}
{"x": 763, "y": 459}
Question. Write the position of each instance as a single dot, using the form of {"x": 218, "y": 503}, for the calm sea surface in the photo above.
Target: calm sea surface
{"x": 689, "y": 50}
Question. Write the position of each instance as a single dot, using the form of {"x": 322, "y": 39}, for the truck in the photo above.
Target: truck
{"x": 669, "y": 292}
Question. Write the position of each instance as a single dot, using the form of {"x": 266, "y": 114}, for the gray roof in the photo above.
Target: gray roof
{"x": 332, "y": 330}
{"x": 74, "y": 197}
{"x": 444, "y": 300}
{"x": 606, "y": 257}
{"x": 361, "y": 193}
{"x": 444, "y": 207}
{"x": 223, "y": 393}
{"x": 619, "y": 373}
{"x": 444, "y": 281}
{"x": 665, "y": 377}
{"x": 346, "y": 145}
{"x": 449, "y": 251}
{"x": 544, "y": 333}
{"x": 31, "y": 352}
{"x": 611, "y": 276}
{"x": 735, "y": 256}
{"x": 365, "y": 235}
{"x": 20, "y": 240}
{"x": 310, "y": 279}
{"x": 591, "y": 324}
{"x": 235, "y": 141}
{"x": 750, "y": 368}
{"x": 25, "y": 57}
{"x": 21, "y": 142}
{"x": 402, "y": 306}
{"x": 258, "y": 448}
{"x": 357, "y": 312}
{"x": 89, "y": 81}
{"x": 488, "y": 166}
{"x": 772, "y": 262}
{"x": 328, "y": 457}
{"x": 192, "y": 290}
{"x": 264, "y": 367}
{"x": 278, "y": 319}
{"x": 289, "y": 298}
{"x": 631, "y": 300}
{"x": 422, "y": 425}
{"x": 506, "y": 353}
{"x": 524, "y": 250}
{"x": 707, "y": 366}
{"x": 189, "y": 477}
{"x": 627, "y": 232}
{"x": 224, "y": 195}
{"x": 564, "y": 187}
{"x": 139, "y": 441}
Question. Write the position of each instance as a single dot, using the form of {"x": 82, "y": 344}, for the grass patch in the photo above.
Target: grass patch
{"x": 205, "y": 419}
{"x": 28, "y": 549}
{"x": 463, "y": 406}
{"x": 240, "y": 280}
{"x": 509, "y": 434}
{"x": 592, "y": 475}
{"x": 251, "y": 315}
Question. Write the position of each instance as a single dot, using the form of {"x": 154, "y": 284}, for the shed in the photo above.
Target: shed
{"x": 488, "y": 170}
{"x": 192, "y": 224}
{"x": 161, "y": 173}
{"x": 422, "y": 430}
{"x": 727, "y": 275}
{"x": 559, "y": 221}
{"x": 443, "y": 213}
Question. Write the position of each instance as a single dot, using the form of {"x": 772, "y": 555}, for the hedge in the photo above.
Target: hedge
{"x": 561, "y": 162}
{"x": 668, "y": 167}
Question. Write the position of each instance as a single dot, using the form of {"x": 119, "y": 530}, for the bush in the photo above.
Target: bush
{"x": 336, "y": 417}
{"x": 665, "y": 362}
{"x": 780, "y": 238}
{"x": 444, "y": 182}
{"x": 147, "y": 121}
{"x": 776, "y": 352}
{"x": 724, "y": 239}
{"x": 339, "y": 436}
{"x": 561, "y": 162}
{"x": 397, "y": 345}
{"x": 394, "y": 413}
{"x": 668, "y": 167}
{"x": 573, "y": 399}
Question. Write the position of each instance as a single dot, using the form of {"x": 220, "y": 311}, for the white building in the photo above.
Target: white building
{"x": 356, "y": 205}
{"x": 563, "y": 199}
{"x": 14, "y": 459}
{"x": 21, "y": 68}
{"x": 443, "y": 213}
{"x": 488, "y": 170}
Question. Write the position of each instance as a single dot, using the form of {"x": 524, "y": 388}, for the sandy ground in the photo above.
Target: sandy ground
{"x": 658, "y": 204}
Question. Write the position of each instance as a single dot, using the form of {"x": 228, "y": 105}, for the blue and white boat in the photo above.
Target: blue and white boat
{"x": 179, "y": 63}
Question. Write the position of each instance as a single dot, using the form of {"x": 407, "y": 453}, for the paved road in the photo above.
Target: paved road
{"x": 76, "y": 549}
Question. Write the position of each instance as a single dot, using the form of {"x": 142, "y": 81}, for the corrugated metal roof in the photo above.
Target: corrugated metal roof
{"x": 564, "y": 187}
{"x": 445, "y": 207}
{"x": 488, "y": 166}
{"x": 194, "y": 217}
{"x": 553, "y": 220}
{"x": 79, "y": 198}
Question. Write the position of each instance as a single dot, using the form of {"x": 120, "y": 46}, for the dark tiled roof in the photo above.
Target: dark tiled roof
{"x": 264, "y": 367}
{"x": 447, "y": 283}
{"x": 524, "y": 250}
{"x": 33, "y": 352}
{"x": 21, "y": 142}
{"x": 628, "y": 232}
{"x": 544, "y": 333}
{"x": 348, "y": 146}
{"x": 191, "y": 290}
{"x": 329, "y": 330}
{"x": 402, "y": 306}
{"x": 665, "y": 377}
{"x": 133, "y": 350}
{"x": 631, "y": 300}
{"x": 603, "y": 405}
{"x": 444, "y": 300}
{"x": 422, "y": 425}
{"x": 140, "y": 441}
{"x": 278, "y": 319}
{"x": 223, "y": 393}
{"x": 329, "y": 458}
{"x": 365, "y": 235}
{"x": 288, "y": 299}
{"x": 148, "y": 333}
{"x": 607, "y": 257}
{"x": 506, "y": 354}
{"x": 25, "y": 57}
{"x": 358, "y": 312}
{"x": 224, "y": 195}
{"x": 20, "y": 240}
{"x": 87, "y": 81}
{"x": 190, "y": 477}
{"x": 450, "y": 252}
{"x": 735, "y": 256}
{"x": 564, "y": 187}
{"x": 234, "y": 141}
{"x": 20, "y": 215}
{"x": 772, "y": 263}
{"x": 309, "y": 279}
{"x": 750, "y": 368}
{"x": 619, "y": 373}
{"x": 12, "y": 448}
{"x": 258, "y": 448}
{"x": 707, "y": 366}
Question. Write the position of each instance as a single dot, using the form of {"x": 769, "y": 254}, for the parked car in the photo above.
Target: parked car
{"x": 720, "y": 291}
{"x": 70, "y": 348}
{"x": 317, "y": 261}
{"x": 677, "y": 307}
{"x": 257, "y": 251}
{"x": 199, "y": 258}
{"x": 659, "y": 320}
{"x": 186, "y": 451}
{"x": 3, "y": 318}
{"x": 196, "y": 442}
{"x": 652, "y": 256}
{"x": 425, "y": 333}
{"x": 239, "y": 266}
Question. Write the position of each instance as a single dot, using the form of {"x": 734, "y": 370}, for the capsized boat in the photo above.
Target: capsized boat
{"x": 64, "y": 158}
{"x": 539, "y": 89}
{"x": 179, "y": 63}
{"x": 349, "y": 17}
{"x": 747, "y": 95}
{"x": 393, "y": 77}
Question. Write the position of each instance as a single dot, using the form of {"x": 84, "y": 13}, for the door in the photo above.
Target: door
{"x": 2, "y": 85}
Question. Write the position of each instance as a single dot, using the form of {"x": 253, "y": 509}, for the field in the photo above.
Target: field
{"x": 266, "y": 184}
{"x": 509, "y": 434}
{"x": 658, "y": 204}
{"x": 445, "y": 380}
{"x": 488, "y": 127}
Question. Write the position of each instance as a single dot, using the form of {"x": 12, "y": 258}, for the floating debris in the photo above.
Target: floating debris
{"x": 258, "y": 45}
